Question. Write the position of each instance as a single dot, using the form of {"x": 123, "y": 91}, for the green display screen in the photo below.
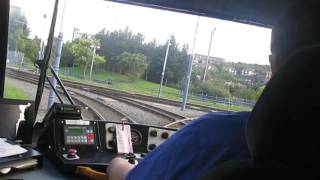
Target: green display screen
{"x": 68, "y": 109}
{"x": 79, "y": 135}
{"x": 76, "y": 130}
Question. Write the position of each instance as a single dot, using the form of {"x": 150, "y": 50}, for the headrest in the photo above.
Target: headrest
{"x": 283, "y": 126}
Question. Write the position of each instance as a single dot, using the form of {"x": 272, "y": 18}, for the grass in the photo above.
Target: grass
{"x": 12, "y": 92}
{"x": 140, "y": 86}
{"x": 123, "y": 82}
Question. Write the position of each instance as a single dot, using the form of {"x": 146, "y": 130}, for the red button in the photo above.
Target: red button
{"x": 72, "y": 151}
{"x": 90, "y": 136}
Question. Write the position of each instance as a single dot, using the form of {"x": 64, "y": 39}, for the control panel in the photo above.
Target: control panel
{"x": 78, "y": 135}
{"x": 144, "y": 138}
{"x": 157, "y": 136}
{"x": 72, "y": 143}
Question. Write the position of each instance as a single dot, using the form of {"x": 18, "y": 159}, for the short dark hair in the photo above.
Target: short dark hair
{"x": 299, "y": 28}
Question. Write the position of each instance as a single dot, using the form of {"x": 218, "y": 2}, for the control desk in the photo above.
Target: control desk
{"x": 72, "y": 143}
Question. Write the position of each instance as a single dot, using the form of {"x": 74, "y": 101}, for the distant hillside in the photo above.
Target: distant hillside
{"x": 247, "y": 74}
{"x": 228, "y": 78}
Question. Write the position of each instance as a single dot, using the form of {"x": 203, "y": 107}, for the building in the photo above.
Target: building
{"x": 201, "y": 61}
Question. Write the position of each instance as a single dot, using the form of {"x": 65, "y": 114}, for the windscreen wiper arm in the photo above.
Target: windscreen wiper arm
{"x": 54, "y": 90}
{"x": 46, "y": 59}
{"x": 61, "y": 85}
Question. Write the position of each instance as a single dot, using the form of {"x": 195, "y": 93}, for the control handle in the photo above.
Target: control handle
{"x": 91, "y": 173}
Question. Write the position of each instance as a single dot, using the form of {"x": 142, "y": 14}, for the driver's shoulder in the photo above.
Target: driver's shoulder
{"x": 213, "y": 118}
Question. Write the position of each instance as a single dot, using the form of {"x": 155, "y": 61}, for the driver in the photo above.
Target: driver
{"x": 219, "y": 136}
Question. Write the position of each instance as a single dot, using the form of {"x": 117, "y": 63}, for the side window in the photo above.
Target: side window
{"x": 28, "y": 30}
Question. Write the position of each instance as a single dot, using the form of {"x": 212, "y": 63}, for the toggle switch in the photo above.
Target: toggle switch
{"x": 154, "y": 133}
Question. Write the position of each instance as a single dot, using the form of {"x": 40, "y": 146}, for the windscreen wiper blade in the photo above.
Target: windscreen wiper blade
{"x": 46, "y": 59}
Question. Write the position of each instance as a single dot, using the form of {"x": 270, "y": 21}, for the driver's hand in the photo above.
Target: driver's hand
{"x": 119, "y": 168}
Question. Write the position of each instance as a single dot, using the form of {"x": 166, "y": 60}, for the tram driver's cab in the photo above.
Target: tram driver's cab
{"x": 64, "y": 145}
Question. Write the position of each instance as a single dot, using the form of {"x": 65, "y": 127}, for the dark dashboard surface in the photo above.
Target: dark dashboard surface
{"x": 48, "y": 171}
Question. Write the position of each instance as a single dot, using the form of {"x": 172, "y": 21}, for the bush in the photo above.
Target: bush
{"x": 211, "y": 89}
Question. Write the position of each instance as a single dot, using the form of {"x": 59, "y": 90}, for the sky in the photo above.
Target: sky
{"x": 232, "y": 41}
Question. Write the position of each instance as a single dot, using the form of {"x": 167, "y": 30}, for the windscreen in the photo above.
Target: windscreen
{"x": 135, "y": 64}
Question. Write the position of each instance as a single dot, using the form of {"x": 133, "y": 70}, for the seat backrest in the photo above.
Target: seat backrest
{"x": 12, "y": 116}
{"x": 282, "y": 131}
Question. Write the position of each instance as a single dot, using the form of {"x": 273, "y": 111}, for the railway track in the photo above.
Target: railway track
{"x": 108, "y": 112}
{"x": 130, "y": 95}
{"x": 121, "y": 93}
{"x": 94, "y": 107}
{"x": 121, "y": 96}
{"x": 92, "y": 111}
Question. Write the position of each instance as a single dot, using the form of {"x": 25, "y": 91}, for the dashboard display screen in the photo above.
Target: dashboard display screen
{"x": 79, "y": 135}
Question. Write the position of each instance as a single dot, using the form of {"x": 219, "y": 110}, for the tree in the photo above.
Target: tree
{"x": 116, "y": 42}
{"x": 18, "y": 31}
{"x": 67, "y": 58}
{"x": 82, "y": 52}
{"x": 177, "y": 62}
{"x": 19, "y": 40}
{"x": 32, "y": 47}
{"x": 131, "y": 64}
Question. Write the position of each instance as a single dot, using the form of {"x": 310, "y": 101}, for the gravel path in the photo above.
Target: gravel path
{"x": 140, "y": 116}
{"x": 107, "y": 113}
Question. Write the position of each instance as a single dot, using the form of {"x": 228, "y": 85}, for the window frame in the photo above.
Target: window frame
{"x": 4, "y": 25}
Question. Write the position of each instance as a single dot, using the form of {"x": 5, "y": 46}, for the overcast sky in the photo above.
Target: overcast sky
{"x": 232, "y": 41}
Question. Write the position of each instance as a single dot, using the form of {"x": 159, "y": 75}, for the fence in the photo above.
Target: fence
{"x": 231, "y": 101}
{"x": 202, "y": 98}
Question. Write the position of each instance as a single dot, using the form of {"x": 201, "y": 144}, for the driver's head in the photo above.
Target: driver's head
{"x": 299, "y": 28}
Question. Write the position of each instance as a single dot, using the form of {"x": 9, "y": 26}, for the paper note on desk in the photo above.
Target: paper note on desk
{"x": 7, "y": 149}
{"x": 124, "y": 143}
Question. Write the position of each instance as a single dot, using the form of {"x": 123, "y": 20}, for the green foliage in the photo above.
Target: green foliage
{"x": 67, "y": 58}
{"x": 210, "y": 88}
{"x": 114, "y": 43}
{"x": 18, "y": 32}
{"x": 140, "y": 86}
{"x": 18, "y": 39}
{"x": 244, "y": 92}
{"x": 131, "y": 64}
{"x": 82, "y": 51}
{"x": 130, "y": 55}
{"x": 32, "y": 49}
{"x": 177, "y": 61}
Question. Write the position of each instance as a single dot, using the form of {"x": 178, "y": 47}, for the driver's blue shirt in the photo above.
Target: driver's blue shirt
{"x": 194, "y": 149}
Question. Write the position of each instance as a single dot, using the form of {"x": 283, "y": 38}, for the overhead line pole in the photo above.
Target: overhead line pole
{"x": 93, "y": 56}
{"x": 164, "y": 68}
{"x": 207, "y": 62}
{"x": 56, "y": 64}
{"x": 188, "y": 78}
